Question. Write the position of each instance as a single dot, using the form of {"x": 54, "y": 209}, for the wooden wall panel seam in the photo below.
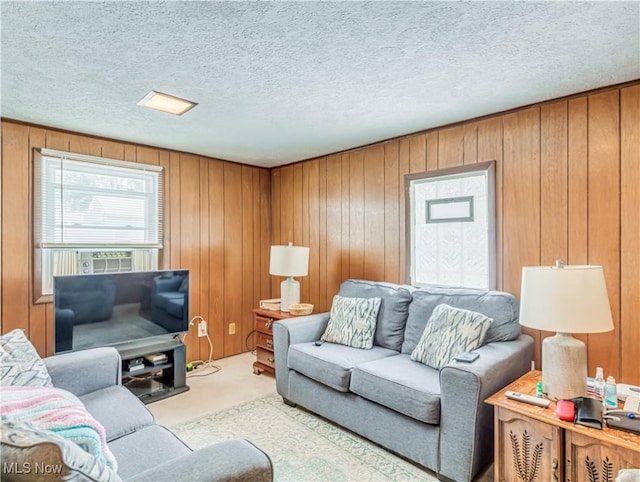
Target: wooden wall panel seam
{"x": 619, "y": 373}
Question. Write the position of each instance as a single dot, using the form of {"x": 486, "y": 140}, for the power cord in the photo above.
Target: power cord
{"x": 198, "y": 364}
{"x": 246, "y": 342}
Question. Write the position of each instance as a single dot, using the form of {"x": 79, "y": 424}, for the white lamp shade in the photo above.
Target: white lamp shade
{"x": 289, "y": 261}
{"x": 571, "y": 299}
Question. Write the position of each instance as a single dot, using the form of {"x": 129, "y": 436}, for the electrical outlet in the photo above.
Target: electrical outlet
{"x": 202, "y": 328}
{"x": 232, "y": 328}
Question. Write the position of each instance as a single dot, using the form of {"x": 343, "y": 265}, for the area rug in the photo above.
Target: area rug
{"x": 302, "y": 446}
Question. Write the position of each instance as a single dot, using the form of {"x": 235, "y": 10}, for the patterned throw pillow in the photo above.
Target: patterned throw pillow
{"x": 449, "y": 332}
{"x": 352, "y": 322}
{"x": 20, "y": 364}
{"x": 24, "y": 445}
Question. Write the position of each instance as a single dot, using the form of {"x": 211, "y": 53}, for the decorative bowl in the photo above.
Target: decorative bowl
{"x": 301, "y": 309}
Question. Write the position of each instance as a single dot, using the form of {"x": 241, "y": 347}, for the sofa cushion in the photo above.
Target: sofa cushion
{"x": 131, "y": 414}
{"x": 22, "y": 443}
{"x": 394, "y": 308}
{"x": 352, "y": 321}
{"x": 330, "y": 363}
{"x": 146, "y": 448}
{"x": 500, "y": 306}
{"x": 450, "y": 332}
{"x": 400, "y": 384}
{"x": 20, "y": 364}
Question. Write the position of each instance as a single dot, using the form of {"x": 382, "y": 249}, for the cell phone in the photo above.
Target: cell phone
{"x": 467, "y": 357}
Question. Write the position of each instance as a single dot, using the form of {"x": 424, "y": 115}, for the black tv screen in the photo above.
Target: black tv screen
{"x": 111, "y": 309}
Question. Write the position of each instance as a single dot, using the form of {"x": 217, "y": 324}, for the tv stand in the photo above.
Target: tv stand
{"x": 155, "y": 382}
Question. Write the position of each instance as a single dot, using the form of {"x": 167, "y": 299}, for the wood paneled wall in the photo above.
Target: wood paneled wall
{"x": 568, "y": 186}
{"x": 217, "y": 218}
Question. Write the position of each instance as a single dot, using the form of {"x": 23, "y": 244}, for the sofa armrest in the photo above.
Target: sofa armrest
{"x": 289, "y": 331}
{"x": 466, "y": 422}
{"x": 230, "y": 460}
{"x": 85, "y": 371}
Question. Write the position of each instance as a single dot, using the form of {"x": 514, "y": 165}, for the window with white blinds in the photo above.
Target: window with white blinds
{"x": 89, "y": 208}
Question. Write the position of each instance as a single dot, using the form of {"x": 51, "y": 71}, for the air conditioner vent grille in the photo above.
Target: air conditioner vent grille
{"x": 106, "y": 262}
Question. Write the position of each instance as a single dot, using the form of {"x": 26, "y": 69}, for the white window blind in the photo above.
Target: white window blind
{"x": 91, "y": 203}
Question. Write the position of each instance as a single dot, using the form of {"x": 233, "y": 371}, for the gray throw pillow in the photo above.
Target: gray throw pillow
{"x": 352, "y": 322}
{"x": 449, "y": 332}
{"x": 20, "y": 364}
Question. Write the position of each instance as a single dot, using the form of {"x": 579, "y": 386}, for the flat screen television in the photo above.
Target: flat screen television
{"x": 117, "y": 308}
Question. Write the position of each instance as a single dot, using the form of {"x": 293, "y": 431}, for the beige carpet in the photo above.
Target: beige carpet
{"x": 302, "y": 446}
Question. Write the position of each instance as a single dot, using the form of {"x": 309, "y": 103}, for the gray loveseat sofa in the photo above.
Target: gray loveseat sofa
{"x": 436, "y": 418}
{"x": 144, "y": 449}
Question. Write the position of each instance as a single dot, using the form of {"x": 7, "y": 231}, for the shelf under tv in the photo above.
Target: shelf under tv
{"x": 146, "y": 370}
{"x": 155, "y": 382}
{"x": 151, "y": 389}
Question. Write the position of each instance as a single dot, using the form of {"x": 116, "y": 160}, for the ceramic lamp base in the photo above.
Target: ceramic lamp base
{"x": 564, "y": 367}
{"x": 289, "y": 293}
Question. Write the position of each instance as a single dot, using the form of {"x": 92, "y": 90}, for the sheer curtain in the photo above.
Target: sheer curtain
{"x": 143, "y": 259}
{"x": 65, "y": 261}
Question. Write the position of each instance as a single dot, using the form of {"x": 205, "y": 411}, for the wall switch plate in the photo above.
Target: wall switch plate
{"x": 232, "y": 328}
{"x": 202, "y": 328}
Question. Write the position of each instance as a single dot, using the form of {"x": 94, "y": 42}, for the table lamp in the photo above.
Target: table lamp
{"x": 565, "y": 299}
{"x": 289, "y": 261}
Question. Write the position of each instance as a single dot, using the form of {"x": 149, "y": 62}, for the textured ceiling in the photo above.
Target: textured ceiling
{"x": 278, "y": 82}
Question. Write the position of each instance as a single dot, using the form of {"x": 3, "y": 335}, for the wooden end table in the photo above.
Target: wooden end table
{"x": 264, "y": 320}
{"x": 534, "y": 445}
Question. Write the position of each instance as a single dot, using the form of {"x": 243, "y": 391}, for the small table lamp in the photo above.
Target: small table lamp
{"x": 564, "y": 299}
{"x": 289, "y": 261}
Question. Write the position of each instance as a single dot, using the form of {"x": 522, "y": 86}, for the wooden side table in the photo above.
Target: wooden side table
{"x": 532, "y": 444}
{"x": 264, "y": 320}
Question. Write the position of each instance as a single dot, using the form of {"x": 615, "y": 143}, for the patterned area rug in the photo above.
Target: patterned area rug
{"x": 302, "y": 446}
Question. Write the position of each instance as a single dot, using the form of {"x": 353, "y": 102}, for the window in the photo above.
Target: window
{"x": 451, "y": 238}
{"x": 94, "y": 215}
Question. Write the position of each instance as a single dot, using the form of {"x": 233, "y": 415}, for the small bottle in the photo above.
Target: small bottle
{"x": 610, "y": 393}
{"x": 539, "y": 392}
{"x": 598, "y": 383}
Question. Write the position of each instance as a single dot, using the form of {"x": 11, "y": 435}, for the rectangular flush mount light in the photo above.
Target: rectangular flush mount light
{"x": 166, "y": 103}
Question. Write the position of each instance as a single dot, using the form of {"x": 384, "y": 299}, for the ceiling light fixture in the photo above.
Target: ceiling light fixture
{"x": 166, "y": 103}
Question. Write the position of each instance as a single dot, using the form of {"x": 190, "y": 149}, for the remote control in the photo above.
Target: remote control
{"x": 521, "y": 397}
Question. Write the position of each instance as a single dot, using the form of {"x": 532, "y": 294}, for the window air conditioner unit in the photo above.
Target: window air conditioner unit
{"x": 105, "y": 262}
